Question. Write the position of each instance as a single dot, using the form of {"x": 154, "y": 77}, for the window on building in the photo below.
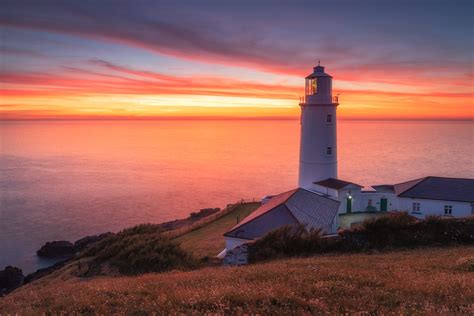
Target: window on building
{"x": 369, "y": 203}
{"x": 448, "y": 209}
{"x": 329, "y": 118}
{"x": 416, "y": 207}
{"x": 329, "y": 151}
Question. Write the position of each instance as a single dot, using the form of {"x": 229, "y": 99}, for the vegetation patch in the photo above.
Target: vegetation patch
{"x": 290, "y": 241}
{"x": 400, "y": 230}
{"x": 207, "y": 240}
{"x": 422, "y": 281}
{"x": 391, "y": 231}
{"x": 137, "y": 250}
{"x": 466, "y": 264}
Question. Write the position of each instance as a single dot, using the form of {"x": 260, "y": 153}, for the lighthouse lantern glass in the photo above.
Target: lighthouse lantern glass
{"x": 311, "y": 86}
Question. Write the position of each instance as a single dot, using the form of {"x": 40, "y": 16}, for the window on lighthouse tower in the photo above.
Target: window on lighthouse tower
{"x": 314, "y": 86}
{"x": 311, "y": 86}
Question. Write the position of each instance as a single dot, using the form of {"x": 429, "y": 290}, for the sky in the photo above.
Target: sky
{"x": 239, "y": 59}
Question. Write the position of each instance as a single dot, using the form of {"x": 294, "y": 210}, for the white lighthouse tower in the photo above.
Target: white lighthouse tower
{"x": 318, "y": 145}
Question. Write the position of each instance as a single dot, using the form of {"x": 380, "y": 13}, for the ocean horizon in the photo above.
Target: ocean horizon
{"x": 65, "y": 179}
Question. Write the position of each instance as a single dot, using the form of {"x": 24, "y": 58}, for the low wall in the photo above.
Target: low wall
{"x": 348, "y": 220}
{"x": 237, "y": 256}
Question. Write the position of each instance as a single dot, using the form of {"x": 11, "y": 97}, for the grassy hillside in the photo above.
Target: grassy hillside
{"x": 208, "y": 240}
{"x": 413, "y": 281}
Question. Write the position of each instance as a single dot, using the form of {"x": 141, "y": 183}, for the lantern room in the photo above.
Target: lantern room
{"x": 318, "y": 86}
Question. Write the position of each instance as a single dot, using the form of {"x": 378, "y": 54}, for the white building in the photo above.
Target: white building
{"x": 318, "y": 167}
{"x": 438, "y": 196}
{"x": 321, "y": 197}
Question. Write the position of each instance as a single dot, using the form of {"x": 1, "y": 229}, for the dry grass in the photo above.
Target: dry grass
{"x": 208, "y": 240}
{"x": 422, "y": 281}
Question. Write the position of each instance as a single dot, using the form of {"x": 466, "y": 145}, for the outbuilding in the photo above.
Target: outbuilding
{"x": 295, "y": 207}
{"x": 440, "y": 196}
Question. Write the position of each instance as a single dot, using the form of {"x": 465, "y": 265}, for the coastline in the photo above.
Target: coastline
{"x": 51, "y": 251}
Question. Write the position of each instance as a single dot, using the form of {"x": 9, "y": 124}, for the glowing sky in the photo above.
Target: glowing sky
{"x": 109, "y": 59}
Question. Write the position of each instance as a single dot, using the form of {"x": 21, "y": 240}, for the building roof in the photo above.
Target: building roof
{"x": 336, "y": 184}
{"x": 384, "y": 188}
{"x": 437, "y": 188}
{"x": 305, "y": 207}
{"x": 404, "y": 186}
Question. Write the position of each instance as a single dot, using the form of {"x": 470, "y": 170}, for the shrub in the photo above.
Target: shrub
{"x": 380, "y": 232}
{"x": 402, "y": 230}
{"x": 140, "y": 249}
{"x": 395, "y": 221}
{"x": 289, "y": 241}
{"x": 396, "y": 230}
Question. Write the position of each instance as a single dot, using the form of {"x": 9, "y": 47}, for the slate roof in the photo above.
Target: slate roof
{"x": 438, "y": 188}
{"x": 271, "y": 204}
{"x": 384, "y": 188}
{"x": 404, "y": 186}
{"x": 336, "y": 184}
{"x": 305, "y": 207}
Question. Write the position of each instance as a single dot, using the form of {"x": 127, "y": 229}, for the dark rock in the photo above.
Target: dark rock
{"x": 57, "y": 249}
{"x": 45, "y": 271}
{"x": 10, "y": 279}
{"x": 89, "y": 240}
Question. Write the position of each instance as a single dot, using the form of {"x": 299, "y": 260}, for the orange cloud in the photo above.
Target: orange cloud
{"x": 117, "y": 91}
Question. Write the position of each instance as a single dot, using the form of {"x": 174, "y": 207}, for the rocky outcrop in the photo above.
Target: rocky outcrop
{"x": 57, "y": 249}
{"x": 10, "y": 279}
{"x": 66, "y": 249}
{"x": 82, "y": 243}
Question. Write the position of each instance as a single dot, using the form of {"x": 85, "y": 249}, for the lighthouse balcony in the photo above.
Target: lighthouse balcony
{"x": 310, "y": 99}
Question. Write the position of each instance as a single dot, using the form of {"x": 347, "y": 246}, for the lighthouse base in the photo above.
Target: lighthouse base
{"x": 313, "y": 172}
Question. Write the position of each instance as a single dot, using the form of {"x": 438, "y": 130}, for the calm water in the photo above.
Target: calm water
{"x": 65, "y": 180}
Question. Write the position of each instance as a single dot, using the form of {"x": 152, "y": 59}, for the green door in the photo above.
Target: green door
{"x": 348, "y": 205}
{"x": 383, "y": 205}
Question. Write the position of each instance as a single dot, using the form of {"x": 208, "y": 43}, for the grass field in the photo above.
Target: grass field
{"x": 423, "y": 281}
{"x": 208, "y": 240}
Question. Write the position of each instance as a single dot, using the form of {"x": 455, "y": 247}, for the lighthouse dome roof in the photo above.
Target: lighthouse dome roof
{"x": 318, "y": 71}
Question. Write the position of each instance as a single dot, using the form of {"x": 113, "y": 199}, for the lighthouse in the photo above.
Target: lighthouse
{"x": 318, "y": 143}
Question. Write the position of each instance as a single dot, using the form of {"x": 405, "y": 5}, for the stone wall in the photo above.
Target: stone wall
{"x": 237, "y": 256}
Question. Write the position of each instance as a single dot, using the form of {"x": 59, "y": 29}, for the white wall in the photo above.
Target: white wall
{"x": 323, "y": 190}
{"x": 335, "y": 225}
{"x": 435, "y": 207}
{"x": 316, "y": 136}
{"x": 360, "y": 200}
{"x": 395, "y": 203}
{"x": 232, "y": 242}
{"x": 392, "y": 200}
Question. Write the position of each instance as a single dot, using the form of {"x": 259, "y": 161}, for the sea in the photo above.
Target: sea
{"x": 63, "y": 180}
